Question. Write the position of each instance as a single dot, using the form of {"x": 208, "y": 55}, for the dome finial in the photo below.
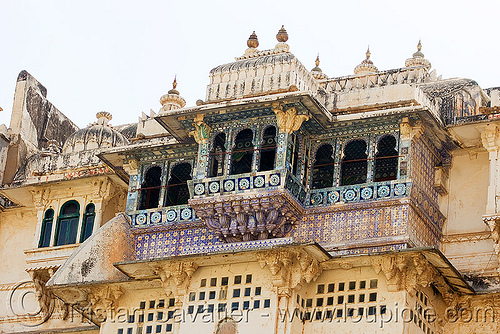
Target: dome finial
{"x": 368, "y": 54}
{"x": 317, "y": 61}
{"x": 103, "y": 117}
{"x": 366, "y": 66}
{"x": 282, "y": 35}
{"x": 253, "y": 42}
{"x": 418, "y": 58}
{"x": 174, "y": 85}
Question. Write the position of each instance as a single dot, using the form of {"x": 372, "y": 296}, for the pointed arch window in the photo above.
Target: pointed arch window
{"x": 354, "y": 165}
{"x": 268, "y": 149}
{"x": 217, "y": 156}
{"x": 177, "y": 188}
{"x": 67, "y": 223}
{"x": 150, "y": 189}
{"x": 48, "y": 220}
{"x": 88, "y": 222}
{"x": 323, "y": 167}
{"x": 386, "y": 159}
{"x": 242, "y": 156}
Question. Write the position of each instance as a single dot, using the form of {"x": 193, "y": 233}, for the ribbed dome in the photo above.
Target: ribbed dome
{"x": 97, "y": 135}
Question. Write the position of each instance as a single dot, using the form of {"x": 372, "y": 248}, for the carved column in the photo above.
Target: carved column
{"x": 407, "y": 132}
{"x": 288, "y": 121}
{"x": 131, "y": 166}
{"x": 489, "y": 137}
{"x": 201, "y": 135}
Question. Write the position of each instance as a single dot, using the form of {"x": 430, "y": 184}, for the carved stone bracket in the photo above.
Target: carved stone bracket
{"x": 40, "y": 196}
{"x": 244, "y": 219}
{"x": 288, "y": 120}
{"x": 176, "y": 276}
{"x": 201, "y": 133}
{"x": 289, "y": 268}
{"x": 493, "y": 223}
{"x": 43, "y": 294}
{"x": 410, "y": 272}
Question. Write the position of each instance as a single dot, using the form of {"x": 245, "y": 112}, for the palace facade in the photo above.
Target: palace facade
{"x": 287, "y": 201}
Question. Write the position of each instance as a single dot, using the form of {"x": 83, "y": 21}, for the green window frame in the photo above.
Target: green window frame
{"x": 88, "y": 222}
{"x": 46, "y": 232}
{"x": 67, "y": 223}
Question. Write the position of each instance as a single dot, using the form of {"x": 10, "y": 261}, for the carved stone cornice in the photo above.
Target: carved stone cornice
{"x": 176, "y": 276}
{"x": 288, "y": 120}
{"x": 201, "y": 132}
{"x": 243, "y": 218}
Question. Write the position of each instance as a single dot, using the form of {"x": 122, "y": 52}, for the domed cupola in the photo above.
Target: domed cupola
{"x": 418, "y": 59}
{"x": 172, "y": 100}
{"x": 97, "y": 135}
{"x": 366, "y": 66}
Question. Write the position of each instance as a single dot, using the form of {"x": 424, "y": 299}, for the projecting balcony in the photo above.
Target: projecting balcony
{"x": 161, "y": 216}
{"x": 250, "y": 206}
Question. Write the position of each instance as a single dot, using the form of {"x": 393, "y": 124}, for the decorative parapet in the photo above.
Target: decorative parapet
{"x": 416, "y": 75}
{"x": 162, "y": 216}
{"x": 359, "y": 193}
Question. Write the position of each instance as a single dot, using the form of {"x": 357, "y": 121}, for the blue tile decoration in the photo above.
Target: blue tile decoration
{"x": 245, "y": 245}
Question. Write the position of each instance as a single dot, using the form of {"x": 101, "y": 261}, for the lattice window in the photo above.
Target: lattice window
{"x": 386, "y": 159}
{"x": 177, "y": 189}
{"x": 323, "y": 168}
{"x": 268, "y": 149}
{"x": 150, "y": 189}
{"x": 217, "y": 156}
{"x": 354, "y": 165}
{"x": 242, "y": 155}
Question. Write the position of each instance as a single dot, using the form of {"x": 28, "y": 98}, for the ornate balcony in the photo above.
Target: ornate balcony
{"x": 251, "y": 206}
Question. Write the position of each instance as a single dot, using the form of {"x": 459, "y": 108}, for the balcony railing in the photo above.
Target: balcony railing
{"x": 359, "y": 193}
{"x": 162, "y": 216}
{"x": 244, "y": 183}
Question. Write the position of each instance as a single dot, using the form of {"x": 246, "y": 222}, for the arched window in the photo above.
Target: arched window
{"x": 150, "y": 189}
{"x": 386, "y": 159}
{"x": 217, "y": 156}
{"x": 268, "y": 149}
{"x": 48, "y": 220}
{"x": 67, "y": 223}
{"x": 177, "y": 188}
{"x": 354, "y": 164}
{"x": 324, "y": 164}
{"x": 88, "y": 222}
{"x": 242, "y": 157}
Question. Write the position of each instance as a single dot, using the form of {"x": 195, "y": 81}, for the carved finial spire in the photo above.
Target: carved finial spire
{"x": 253, "y": 42}
{"x": 317, "y": 61}
{"x": 418, "y": 58}
{"x": 317, "y": 72}
{"x": 172, "y": 100}
{"x": 103, "y": 117}
{"x": 282, "y": 35}
{"x": 366, "y": 66}
{"x": 174, "y": 85}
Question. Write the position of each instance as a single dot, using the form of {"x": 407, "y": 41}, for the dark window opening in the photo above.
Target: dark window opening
{"x": 354, "y": 165}
{"x": 322, "y": 175}
{"x": 242, "y": 156}
{"x": 150, "y": 189}
{"x": 386, "y": 159}
{"x": 293, "y": 153}
{"x": 217, "y": 156}
{"x": 306, "y": 164}
{"x": 177, "y": 188}
{"x": 268, "y": 149}
{"x": 48, "y": 220}
{"x": 88, "y": 222}
{"x": 67, "y": 224}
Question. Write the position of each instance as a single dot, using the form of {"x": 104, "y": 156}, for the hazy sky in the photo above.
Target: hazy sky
{"x": 121, "y": 56}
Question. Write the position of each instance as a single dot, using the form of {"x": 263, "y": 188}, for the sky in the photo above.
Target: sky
{"x": 122, "y": 56}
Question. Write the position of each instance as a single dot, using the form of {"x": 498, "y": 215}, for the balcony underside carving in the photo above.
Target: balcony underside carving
{"x": 250, "y": 216}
